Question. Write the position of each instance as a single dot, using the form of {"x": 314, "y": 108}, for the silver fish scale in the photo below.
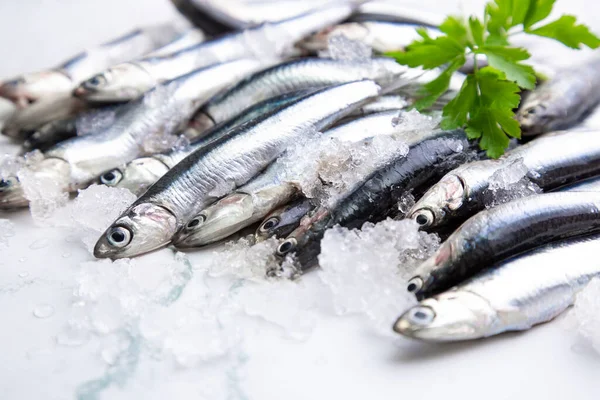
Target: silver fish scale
{"x": 186, "y": 189}
{"x": 538, "y": 285}
{"x": 91, "y": 155}
{"x": 295, "y": 75}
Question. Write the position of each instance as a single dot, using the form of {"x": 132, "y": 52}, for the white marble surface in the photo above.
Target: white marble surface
{"x": 342, "y": 358}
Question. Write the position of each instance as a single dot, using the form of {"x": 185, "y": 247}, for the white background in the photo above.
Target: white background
{"x": 342, "y": 358}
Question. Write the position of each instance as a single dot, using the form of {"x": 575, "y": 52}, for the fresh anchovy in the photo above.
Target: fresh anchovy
{"x": 161, "y": 111}
{"x": 513, "y": 296}
{"x": 503, "y": 231}
{"x": 429, "y": 157}
{"x": 381, "y": 36}
{"x": 294, "y": 75}
{"x": 394, "y": 12}
{"x": 550, "y": 161}
{"x": 271, "y": 189}
{"x": 210, "y": 173}
{"x": 562, "y": 101}
{"x": 588, "y": 185}
{"x": 62, "y": 79}
{"x": 282, "y": 221}
{"x": 140, "y": 174}
{"x": 269, "y": 41}
{"x": 241, "y": 15}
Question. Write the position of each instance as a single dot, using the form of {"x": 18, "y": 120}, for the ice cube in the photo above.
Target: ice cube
{"x": 95, "y": 120}
{"x": 44, "y": 192}
{"x": 366, "y": 270}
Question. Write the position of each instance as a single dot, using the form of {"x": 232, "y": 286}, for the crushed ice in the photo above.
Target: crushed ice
{"x": 366, "y": 270}
{"x": 7, "y": 230}
{"x": 583, "y": 317}
{"x": 509, "y": 183}
{"x": 95, "y": 120}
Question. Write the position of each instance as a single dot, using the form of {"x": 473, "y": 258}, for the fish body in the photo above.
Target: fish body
{"x": 299, "y": 74}
{"x": 550, "y": 161}
{"x": 563, "y": 101}
{"x": 276, "y": 186}
{"x": 188, "y": 38}
{"x": 587, "y": 185}
{"x": 204, "y": 176}
{"x": 267, "y": 42}
{"x": 140, "y": 174}
{"x": 514, "y": 295}
{"x": 395, "y": 12}
{"x": 62, "y": 79}
{"x": 156, "y": 115}
{"x": 495, "y": 234}
{"x": 429, "y": 156}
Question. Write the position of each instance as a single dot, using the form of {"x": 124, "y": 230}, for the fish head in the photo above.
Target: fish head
{"x": 218, "y": 221}
{"x": 320, "y": 41}
{"x": 282, "y": 221}
{"x": 438, "y": 203}
{"x": 12, "y": 195}
{"x": 536, "y": 115}
{"x": 304, "y": 243}
{"x": 122, "y": 82}
{"x": 49, "y": 173}
{"x": 137, "y": 176}
{"x": 451, "y": 316}
{"x": 142, "y": 228}
{"x": 27, "y": 89}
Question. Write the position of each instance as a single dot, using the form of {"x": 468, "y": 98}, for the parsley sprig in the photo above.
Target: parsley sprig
{"x": 488, "y": 97}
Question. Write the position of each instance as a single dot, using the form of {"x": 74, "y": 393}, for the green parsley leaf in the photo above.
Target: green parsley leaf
{"x": 429, "y": 53}
{"x": 434, "y": 89}
{"x": 456, "y": 112}
{"x": 506, "y": 59}
{"x": 538, "y": 10}
{"x": 566, "y": 31}
{"x": 476, "y": 30}
{"x": 455, "y": 28}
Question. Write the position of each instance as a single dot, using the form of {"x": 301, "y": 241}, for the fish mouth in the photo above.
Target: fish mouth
{"x": 143, "y": 228}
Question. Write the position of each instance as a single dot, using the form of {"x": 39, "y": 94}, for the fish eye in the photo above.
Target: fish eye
{"x": 196, "y": 221}
{"x": 414, "y": 285}
{"x": 7, "y": 183}
{"x": 111, "y": 178}
{"x": 424, "y": 217}
{"x": 269, "y": 224}
{"x": 287, "y": 246}
{"x": 95, "y": 81}
{"x": 119, "y": 236}
{"x": 421, "y": 315}
{"x": 532, "y": 110}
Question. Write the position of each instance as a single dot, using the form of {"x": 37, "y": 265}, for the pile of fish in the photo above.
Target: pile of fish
{"x": 287, "y": 123}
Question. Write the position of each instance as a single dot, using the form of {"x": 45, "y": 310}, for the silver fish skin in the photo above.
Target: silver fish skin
{"x": 563, "y": 101}
{"x": 387, "y": 102}
{"x": 381, "y": 36}
{"x": 498, "y": 233}
{"x": 206, "y": 175}
{"x": 551, "y": 161}
{"x": 514, "y": 295}
{"x": 267, "y": 42}
{"x": 161, "y": 112}
{"x": 296, "y": 75}
{"x": 62, "y": 79}
{"x": 188, "y": 38}
{"x": 282, "y": 221}
{"x": 271, "y": 189}
{"x": 141, "y": 173}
